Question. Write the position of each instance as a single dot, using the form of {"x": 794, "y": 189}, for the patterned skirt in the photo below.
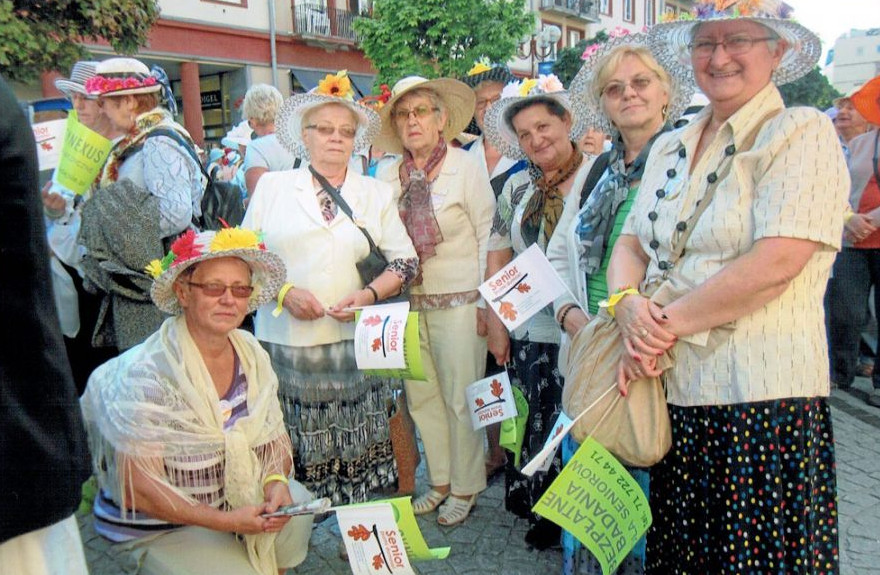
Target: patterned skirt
{"x": 533, "y": 370}
{"x": 746, "y": 488}
{"x": 337, "y": 419}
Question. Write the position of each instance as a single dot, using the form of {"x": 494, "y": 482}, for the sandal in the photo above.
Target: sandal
{"x": 456, "y": 510}
{"x": 428, "y": 502}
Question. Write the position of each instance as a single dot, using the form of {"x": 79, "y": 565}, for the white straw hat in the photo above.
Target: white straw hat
{"x": 121, "y": 77}
{"x": 267, "y": 268}
{"x": 669, "y": 40}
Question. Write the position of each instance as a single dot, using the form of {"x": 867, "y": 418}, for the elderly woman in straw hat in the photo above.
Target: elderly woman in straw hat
{"x": 186, "y": 432}
{"x": 857, "y": 268}
{"x": 337, "y": 416}
{"x": 533, "y": 121}
{"x": 624, "y": 92}
{"x": 737, "y": 233}
{"x": 446, "y": 204}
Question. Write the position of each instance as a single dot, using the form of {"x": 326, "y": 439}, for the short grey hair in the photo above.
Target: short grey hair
{"x": 436, "y": 100}
{"x": 261, "y": 104}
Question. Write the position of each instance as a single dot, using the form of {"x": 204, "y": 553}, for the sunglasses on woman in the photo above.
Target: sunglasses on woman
{"x": 218, "y": 289}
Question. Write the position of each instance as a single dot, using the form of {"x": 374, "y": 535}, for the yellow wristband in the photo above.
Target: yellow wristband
{"x": 848, "y": 216}
{"x": 276, "y": 477}
{"x": 281, "y": 293}
{"x": 614, "y": 299}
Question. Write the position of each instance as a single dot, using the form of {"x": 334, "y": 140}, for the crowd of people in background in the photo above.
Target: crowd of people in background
{"x": 743, "y": 241}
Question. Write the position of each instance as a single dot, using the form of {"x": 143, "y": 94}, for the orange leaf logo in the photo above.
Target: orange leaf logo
{"x": 558, "y": 430}
{"x": 377, "y": 344}
{"x": 378, "y": 562}
{"x": 359, "y": 533}
{"x": 373, "y": 320}
{"x": 497, "y": 388}
{"x": 523, "y": 287}
{"x": 479, "y": 401}
{"x": 507, "y": 310}
{"x": 46, "y": 146}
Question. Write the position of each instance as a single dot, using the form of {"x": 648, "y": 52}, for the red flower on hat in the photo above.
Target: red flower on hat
{"x": 184, "y": 247}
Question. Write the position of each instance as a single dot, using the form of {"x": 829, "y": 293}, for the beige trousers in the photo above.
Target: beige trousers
{"x": 454, "y": 356}
{"x": 199, "y": 551}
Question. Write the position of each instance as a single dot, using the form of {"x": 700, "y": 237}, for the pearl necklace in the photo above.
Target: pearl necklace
{"x": 679, "y": 237}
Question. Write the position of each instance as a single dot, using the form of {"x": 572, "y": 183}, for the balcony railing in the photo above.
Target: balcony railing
{"x": 584, "y": 9}
{"x": 317, "y": 20}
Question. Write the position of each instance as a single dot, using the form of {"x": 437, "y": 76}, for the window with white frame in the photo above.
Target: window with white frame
{"x": 605, "y": 7}
{"x": 628, "y": 11}
{"x": 650, "y": 13}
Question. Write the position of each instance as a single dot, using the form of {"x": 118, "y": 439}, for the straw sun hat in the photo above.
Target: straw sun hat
{"x": 333, "y": 89}
{"x": 457, "y": 97}
{"x": 669, "y": 40}
{"x": 81, "y": 73}
{"x": 584, "y": 94}
{"x": 121, "y": 77}
{"x": 502, "y": 135}
{"x": 267, "y": 269}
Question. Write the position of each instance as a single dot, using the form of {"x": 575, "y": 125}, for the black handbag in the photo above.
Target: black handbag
{"x": 375, "y": 263}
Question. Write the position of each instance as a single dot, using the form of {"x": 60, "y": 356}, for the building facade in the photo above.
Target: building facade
{"x": 581, "y": 19}
{"x": 854, "y": 60}
{"x": 213, "y": 50}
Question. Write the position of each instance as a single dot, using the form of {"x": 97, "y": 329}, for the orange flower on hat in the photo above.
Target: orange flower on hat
{"x": 336, "y": 85}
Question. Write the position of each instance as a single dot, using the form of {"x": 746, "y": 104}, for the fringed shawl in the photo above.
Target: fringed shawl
{"x": 156, "y": 407}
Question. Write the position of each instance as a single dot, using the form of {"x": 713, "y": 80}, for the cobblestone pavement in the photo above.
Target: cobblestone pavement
{"x": 491, "y": 540}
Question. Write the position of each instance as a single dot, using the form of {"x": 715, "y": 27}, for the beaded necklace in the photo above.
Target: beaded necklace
{"x": 684, "y": 228}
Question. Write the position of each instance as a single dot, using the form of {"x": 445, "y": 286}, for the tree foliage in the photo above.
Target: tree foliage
{"x": 811, "y": 90}
{"x": 569, "y": 61}
{"x": 38, "y": 35}
{"x": 434, "y": 38}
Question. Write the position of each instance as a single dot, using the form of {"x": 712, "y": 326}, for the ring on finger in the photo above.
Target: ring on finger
{"x": 643, "y": 332}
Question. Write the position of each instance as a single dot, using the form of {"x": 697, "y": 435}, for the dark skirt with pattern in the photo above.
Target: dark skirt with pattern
{"x": 746, "y": 488}
{"x": 337, "y": 419}
{"x": 533, "y": 369}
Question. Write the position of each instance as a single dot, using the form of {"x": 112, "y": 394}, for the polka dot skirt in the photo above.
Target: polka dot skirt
{"x": 747, "y": 488}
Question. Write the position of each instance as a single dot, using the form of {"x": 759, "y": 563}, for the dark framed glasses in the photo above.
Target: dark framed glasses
{"x": 217, "y": 289}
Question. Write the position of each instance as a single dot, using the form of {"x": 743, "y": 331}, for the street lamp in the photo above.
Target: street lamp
{"x": 539, "y": 45}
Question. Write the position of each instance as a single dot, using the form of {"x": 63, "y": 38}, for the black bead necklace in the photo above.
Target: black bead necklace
{"x": 682, "y": 226}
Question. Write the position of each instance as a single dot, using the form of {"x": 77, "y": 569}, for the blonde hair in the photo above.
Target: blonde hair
{"x": 261, "y": 104}
{"x": 609, "y": 63}
{"x": 307, "y": 116}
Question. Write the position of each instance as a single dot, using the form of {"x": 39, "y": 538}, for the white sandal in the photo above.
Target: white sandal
{"x": 456, "y": 510}
{"x": 428, "y": 502}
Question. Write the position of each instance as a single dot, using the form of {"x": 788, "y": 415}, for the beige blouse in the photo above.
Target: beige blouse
{"x": 791, "y": 183}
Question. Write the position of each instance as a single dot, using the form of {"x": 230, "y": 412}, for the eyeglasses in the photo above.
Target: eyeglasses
{"x": 327, "y": 130}
{"x": 486, "y": 102}
{"x": 734, "y": 46}
{"x": 615, "y": 90}
{"x": 420, "y": 112}
{"x": 218, "y": 289}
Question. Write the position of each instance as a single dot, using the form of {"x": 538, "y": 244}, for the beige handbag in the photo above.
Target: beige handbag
{"x": 634, "y": 428}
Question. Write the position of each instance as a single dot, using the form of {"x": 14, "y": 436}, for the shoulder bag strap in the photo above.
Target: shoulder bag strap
{"x": 596, "y": 171}
{"x": 343, "y": 205}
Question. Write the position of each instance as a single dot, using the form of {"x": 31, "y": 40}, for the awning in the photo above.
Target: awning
{"x": 309, "y": 78}
{"x": 363, "y": 83}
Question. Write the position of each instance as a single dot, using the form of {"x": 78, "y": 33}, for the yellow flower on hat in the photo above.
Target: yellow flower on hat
{"x": 481, "y": 65}
{"x": 234, "y": 239}
{"x": 527, "y": 85}
{"x": 154, "y": 269}
{"x": 336, "y": 85}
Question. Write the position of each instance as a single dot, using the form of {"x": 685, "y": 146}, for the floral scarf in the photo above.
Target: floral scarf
{"x": 415, "y": 207}
{"x": 597, "y": 219}
{"x": 134, "y": 140}
{"x": 546, "y": 203}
